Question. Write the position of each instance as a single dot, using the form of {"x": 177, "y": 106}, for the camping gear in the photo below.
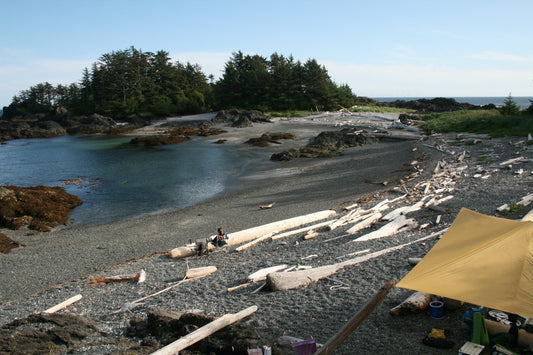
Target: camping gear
{"x": 480, "y": 334}
{"x": 436, "y": 309}
{"x": 481, "y": 260}
{"x": 305, "y": 347}
{"x": 470, "y": 348}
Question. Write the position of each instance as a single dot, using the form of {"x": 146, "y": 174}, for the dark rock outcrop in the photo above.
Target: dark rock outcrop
{"x": 38, "y": 207}
{"x": 58, "y": 122}
{"x": 438, "y": 104}
{"x": 267, "y": 138}
{"x": 327, "y": 144}
{"x": 174, "y": 136}
{"x": 166, "y": 326}
{"x": 240, "y": 118}
{"x": 45, "y": 334}
{"x": 157, "y": 140}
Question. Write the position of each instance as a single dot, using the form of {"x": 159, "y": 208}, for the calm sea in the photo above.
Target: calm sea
{"x": 119, "y": 183}
{"x": 522, "y": 101}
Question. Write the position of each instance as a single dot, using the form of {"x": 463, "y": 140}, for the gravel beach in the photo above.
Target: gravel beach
{"x": 55, "y": 266}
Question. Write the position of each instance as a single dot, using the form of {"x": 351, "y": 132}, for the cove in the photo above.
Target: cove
{"x": 120, "y": 182}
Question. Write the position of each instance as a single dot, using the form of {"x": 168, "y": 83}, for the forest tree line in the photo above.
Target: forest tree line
{"x": 131, "y": 82}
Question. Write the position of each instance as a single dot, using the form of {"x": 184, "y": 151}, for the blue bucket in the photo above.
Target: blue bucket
{"x": 436, "y": 309}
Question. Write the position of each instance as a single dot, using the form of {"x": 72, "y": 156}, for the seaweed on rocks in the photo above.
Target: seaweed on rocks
{"x": 37, "y": 207}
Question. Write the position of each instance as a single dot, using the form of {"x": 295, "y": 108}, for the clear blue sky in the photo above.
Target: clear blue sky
{"x": 379, "y": 48}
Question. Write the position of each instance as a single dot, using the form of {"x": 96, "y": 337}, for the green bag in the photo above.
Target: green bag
{"x": 480, "y": 334}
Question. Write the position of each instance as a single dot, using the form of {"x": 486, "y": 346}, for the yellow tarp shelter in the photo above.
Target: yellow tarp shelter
{"x": 482, "y": 260}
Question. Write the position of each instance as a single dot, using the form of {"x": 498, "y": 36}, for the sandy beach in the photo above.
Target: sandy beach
{"x": 57, "y": 265}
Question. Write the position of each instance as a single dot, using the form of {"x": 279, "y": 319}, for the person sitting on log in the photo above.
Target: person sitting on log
{"x": 219, "y": 239}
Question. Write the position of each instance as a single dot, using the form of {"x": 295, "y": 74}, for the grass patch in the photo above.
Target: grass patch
{"x": 514, "y": 208}
{"x": 485, "y": 160}
{"x": 489, "y": 122}
{"x": 289, "y": 113}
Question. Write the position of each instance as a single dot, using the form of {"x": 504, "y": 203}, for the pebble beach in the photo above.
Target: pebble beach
{"x": 52, "y": 267}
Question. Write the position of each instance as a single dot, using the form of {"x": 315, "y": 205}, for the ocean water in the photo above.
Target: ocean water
{"x": 119, "y": 183}
{"x": 522, "y": 101}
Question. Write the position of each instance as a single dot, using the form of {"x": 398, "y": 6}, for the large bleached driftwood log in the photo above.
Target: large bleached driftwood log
{"x": 182, "y": 252}
{"x": 204, "y": 332}
{"x": 280, "y": 281}
{"x": 416, "y": 303}
{"x": 389, "y": 229}
{"x": 256, "y": 232}
{"x": 255, "y": 241}
{"x": 403, "y": 211}
{"x": 354, "y": 215}
{"x": 260, "y": 275}
{"x": 340, "y": 336}
{"x": 361, "y": 214}
{"x": 300, "y": 230}
{"x": 365, "y": 223}
{"x": 526, "y": 200}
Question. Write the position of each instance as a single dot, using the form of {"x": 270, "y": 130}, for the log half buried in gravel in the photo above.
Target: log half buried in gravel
{"x": 200, "y": 271}
{"x": 280, "y": 281}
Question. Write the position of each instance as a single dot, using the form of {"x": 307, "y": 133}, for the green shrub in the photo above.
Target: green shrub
{"x": 490, "y": 122}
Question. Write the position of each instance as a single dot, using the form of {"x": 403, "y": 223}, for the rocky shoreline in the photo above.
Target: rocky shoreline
{"x": 467, "y": 167}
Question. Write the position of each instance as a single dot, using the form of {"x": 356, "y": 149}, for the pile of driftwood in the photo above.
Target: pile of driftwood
{"x": 385, "y": 219}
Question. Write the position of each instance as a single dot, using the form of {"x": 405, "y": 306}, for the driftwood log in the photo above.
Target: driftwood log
{"x": 256, "y": 241}
{"x": 300, "y": 230}
{"x": 402, "y": 211}
{"x": 250, "y": 234}
{"x": 334, "y": 342}
{"x": 361, "y": 214}
{"x": 116, "y": 278}
{"x": 256, "y": 232}
{"x": 182, "y": 252}
{"x": 416, "y": 303}
{"x": 280, "y": 281}
{"x": 63, "y": 304}
{"x": 528, "y": 217}
{"x": 260, "y": 275}
{"x": 204, "y": 332}
{"x": 365, "y": 223}
{"x": 200, "y": 271}
{"x": 129, "y": 304}
{"x": 389, "y": 229}
{"x": 231, "y": 289}
{"x": 310, "y": 235}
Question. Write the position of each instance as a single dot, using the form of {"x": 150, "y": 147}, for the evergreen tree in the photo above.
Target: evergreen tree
{"x": 510, "y": 108}
{"x": 529, "y": 110}
{"x": 132, "y": 82}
